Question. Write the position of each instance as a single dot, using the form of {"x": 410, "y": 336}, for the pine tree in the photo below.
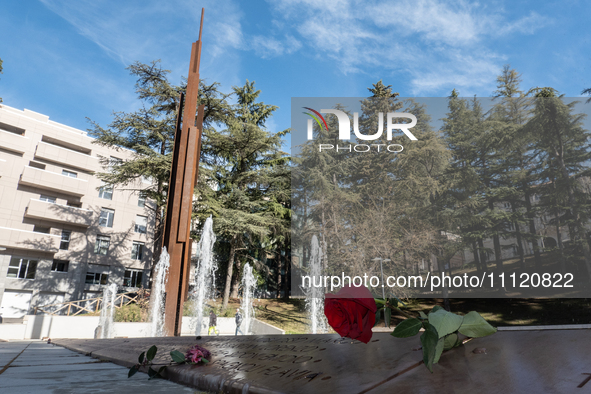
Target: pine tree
{"x": 241, "y": 181}
{"x": 149, "y": 133}
{"x": 463, "y": 129}
{"x": 563, "y": 147}
{"x": 521, "y": 167}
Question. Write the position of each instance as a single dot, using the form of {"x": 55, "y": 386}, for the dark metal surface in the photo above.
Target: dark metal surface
{"x": 183, "y": 177}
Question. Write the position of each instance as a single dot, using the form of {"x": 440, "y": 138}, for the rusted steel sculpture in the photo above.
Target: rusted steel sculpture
{"x": 183, "y": 176}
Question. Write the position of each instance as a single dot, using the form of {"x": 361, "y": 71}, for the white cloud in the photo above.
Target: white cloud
{"x": 436, "y": 43}
{"x": 152, "y": 29}
{"x": 267, "y": 47}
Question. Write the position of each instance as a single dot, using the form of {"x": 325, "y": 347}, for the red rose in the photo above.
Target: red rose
{"x": 351, "y": 312}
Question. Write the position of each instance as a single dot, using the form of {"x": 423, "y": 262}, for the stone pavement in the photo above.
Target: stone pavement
{"x": 39, "y": 368}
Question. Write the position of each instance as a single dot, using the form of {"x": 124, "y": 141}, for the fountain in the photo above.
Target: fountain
{"x": 204, "y": 273}
{"x": 249, "y": 284}
{"x": 157, "y": 296}
{"x": 108, "y": 311}
{"x": 315, "y": 295}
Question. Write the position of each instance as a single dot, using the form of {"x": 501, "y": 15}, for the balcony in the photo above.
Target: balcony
{"x": 29, "y": 240}
{"x": 63, "y": 155}
{"x": 53, "y": 181}
{"x": 38, "y": 209}
{"x": 14, "y": 142}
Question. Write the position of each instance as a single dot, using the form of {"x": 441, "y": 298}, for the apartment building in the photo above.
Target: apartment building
{"x": 63, "y": 235}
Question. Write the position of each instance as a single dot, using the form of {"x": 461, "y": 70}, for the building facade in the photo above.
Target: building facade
{"x": 63, "y": 235}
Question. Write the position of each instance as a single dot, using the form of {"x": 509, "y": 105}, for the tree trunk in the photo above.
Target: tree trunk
{"x": 532, "y": 227}
{"x": 483, "y": 259}
{"x": 286, "y": 279}
{"x": 496, "y": 241}
{"x": 559, "y": 240}
{"x": 476, "y": 258}
{"x": 519, "y": 241}
{"x": 236, "y": 279}
{"x": 278, "y": 273}
{"x": 229, "y": 272}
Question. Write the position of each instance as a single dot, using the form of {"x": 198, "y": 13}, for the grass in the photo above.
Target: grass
{"x": 512, "y": 311}
{"x": 289, "y": 315}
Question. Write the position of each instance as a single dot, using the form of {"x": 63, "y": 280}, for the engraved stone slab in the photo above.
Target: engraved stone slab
{"x": 271, "y": 364}
{"x": 548, "y": 361}
{"x": 537, "y": 361}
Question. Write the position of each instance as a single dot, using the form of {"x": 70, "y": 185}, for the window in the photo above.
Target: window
{"x": 60, "y": 265}
{"x": 141, "y": 200}
{"x": 137, "y": 250}
{"x": 106, "y": 218}
{"x": 65, "y": 242}
{"x": 102, "y": 245}
{"x": 75, "y": 204}
{"x": 96, "y": 278}
{"x": 47, "y": 199}
{"x": 21, "y": 268}
{"x": 11, "y": 129}
{"x": 41, "y": 229}
{"x": 507, "y": 205}
{"x": 140, "y": 224}
{"x": 132, "y": 278}
{"x": 36, "y": 164}
{"x": 106, "y": 191}
{"x": 69, "y": 173}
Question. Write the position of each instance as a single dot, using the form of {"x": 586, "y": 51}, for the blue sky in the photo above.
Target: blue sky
{"x": 67, "y": 59}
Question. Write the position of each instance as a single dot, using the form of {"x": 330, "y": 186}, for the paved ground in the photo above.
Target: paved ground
{"x": 36, "y": 367}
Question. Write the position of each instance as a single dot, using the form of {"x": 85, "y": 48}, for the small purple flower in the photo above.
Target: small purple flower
{"x": 196, "y": 353}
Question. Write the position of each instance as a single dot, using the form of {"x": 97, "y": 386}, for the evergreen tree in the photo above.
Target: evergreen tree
{"x": 521, "y": 167}
{"x": 149, "y": 133}
{"x": 563, "y": 147}
{"x": 241, "y": 181}
{"x": 463, "y": 129}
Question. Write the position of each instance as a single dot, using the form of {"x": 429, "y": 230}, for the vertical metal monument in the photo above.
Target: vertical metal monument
{"x": 183, "y": 176}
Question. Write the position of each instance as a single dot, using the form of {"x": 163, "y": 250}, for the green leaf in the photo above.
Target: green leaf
{"x": 152, "y": 373}
{"x": 380, "y": 301}
{"x": 407, "y": 328}
{"x": 204, "y": 360}
{"x": 422, "y": 315}
{"x": 450, "y": 341}
{"x": 387, "y": 316}
{"x": 140, "y": 359}
{"x": 474, "y": 326}
{"x": 429, "y": 341}
{"x": 133, "y": 370}
{"x": 435, "y": 309}
{"x": 445, "y": 322}
{"x": 378, "y": 314}
{"x": 151, "y": 353}
{"x": 160, "y": 370}
{"x": 438, "y": 350}
{"x": 177, "y": 356}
